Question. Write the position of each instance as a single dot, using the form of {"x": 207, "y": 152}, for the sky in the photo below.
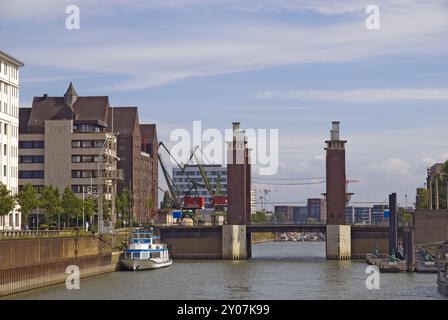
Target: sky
{"x": 289, "y": 65}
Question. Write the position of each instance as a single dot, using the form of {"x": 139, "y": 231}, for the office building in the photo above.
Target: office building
{"x": 182, "y": 181}
{"x": 9, "y": 133}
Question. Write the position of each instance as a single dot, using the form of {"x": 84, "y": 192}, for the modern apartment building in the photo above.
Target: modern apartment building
{"x": 63, "y": 141}
{"x": 9, "y": 132}
{"x": 212, "y": 171}
{"x": 317, "y": 209}
{"x": 358, "y": 215}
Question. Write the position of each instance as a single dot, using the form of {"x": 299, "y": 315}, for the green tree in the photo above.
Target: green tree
{"x": 122, "y": 205}
{"x": 90, "y": 207}
{"x": 422, "y": 199}
{"x": 259, "y": 216}
{"x": 51, "y": 202}
{"x": 167, "y": 201}
{"x": 71, "y": 206}
{"x": 7, "y": 202}
{"x": 28, "y": 201}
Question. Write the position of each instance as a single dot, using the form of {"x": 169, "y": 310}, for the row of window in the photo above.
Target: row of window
{"x": 88, "y": 128}
{"x": 11, "y": 221}
{"x": 84, "y": 173}
{"x": 12, "y": 111}
{"x": 87, "y": 143}
{"x": 31, "y": 174}
{"x": 85, "y": 158}
{"x": 8, "y": 88}
{"x": 31, "y": 144}
{"x": 31, "y": 159}
{"x": 7, "y": 68}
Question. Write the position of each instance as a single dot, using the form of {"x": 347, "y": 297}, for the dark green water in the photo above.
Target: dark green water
{"x": 278, "y": 270}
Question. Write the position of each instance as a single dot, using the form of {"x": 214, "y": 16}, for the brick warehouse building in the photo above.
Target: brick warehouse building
{"x": 91, "y": 118}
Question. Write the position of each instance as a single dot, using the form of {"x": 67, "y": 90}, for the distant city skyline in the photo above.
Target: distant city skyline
{"x": 294, "y": 66}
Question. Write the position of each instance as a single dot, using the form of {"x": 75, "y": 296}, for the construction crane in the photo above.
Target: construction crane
{"x": 219, "y": 200}
{"x": 189, "y": 202}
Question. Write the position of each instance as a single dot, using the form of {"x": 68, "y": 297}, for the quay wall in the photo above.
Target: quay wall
{"x": 431, "y": 226}
{"x": 27, "y": 264}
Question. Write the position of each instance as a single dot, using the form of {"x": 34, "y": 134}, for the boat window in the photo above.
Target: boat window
{"x": 145, "y": 255}
{"x": 136, "y": 255}
{"x": 155, "y": 254}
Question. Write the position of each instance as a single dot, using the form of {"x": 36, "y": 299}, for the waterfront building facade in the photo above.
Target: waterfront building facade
{"x": 62, "y": 141}
{"x": 9, "y": 132}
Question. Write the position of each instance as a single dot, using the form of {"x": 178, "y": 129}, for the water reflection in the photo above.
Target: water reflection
{"x": 278, "y": 270}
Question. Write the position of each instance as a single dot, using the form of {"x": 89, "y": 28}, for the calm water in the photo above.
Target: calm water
{"x": 278, "y": 270}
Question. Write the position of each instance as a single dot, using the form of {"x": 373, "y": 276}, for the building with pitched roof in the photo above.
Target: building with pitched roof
{"x": 61, "y": 140}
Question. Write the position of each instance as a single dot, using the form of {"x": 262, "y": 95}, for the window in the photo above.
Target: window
{"x": 76, "y": 144}
{"x": 88, "y": 128}
{"x": 5, "y": 150}
{"x": 31, "y": 159}
{"x": 98, "y": 143}
{"x": 5, "y": 127}
{"x": 5, "y": 171}
{"x": 87, "y": 143}
{"x": 76, "y": 159}
{"x": 31, "y": 144}
{"x": 86, "y": 158}
{"x": 31, "y": 174}
{"x": 17, "y": 219}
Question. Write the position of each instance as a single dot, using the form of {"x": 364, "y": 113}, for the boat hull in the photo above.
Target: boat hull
{"x": 136, "y": 264}
{"x": 442, "y": 287}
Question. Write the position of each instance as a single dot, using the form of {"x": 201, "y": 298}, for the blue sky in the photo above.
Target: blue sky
{"x": 288, "y": 65}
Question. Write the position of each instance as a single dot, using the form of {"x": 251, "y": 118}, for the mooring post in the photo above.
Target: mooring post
{"x": 393, "y": 224}
{"x": 408, "y": 237}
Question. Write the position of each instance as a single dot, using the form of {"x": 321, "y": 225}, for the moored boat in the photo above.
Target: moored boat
{"x": 425, "y": 262}
{"x": 145, "y": 252}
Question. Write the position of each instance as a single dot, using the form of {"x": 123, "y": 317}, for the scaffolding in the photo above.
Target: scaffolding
{"x": 107, "y": 177}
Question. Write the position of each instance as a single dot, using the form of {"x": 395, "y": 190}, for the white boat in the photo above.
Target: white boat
{"x": 145, "y": 252}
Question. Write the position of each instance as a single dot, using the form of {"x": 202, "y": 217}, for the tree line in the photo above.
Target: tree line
{"x": 58, "y": 211}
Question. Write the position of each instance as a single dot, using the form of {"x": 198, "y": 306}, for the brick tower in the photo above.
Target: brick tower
{"x": 338, "y": 246}
{"x": 336, "y": 178}
{"x": 236, "y": 241}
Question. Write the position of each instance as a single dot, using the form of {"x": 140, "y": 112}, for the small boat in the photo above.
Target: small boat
{"x": 425, "y": 262}
{"x": 145, "y": 252}
{"x": 386, "y": 263}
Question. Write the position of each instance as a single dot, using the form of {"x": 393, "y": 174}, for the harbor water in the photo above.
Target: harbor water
{"x": 278, "y": 270}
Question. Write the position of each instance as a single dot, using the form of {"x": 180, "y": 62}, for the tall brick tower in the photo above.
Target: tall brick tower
{"x": 236, "y": 241}
{"x": 338, "y": 246}
{"x": 238, "y": 179}
{"x": 336, "y": 178}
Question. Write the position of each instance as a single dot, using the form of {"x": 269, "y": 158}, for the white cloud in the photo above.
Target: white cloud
{"x": 360, "y": 95}
{"x": 393, "y": 166}
{"x": 224, "y": 46}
